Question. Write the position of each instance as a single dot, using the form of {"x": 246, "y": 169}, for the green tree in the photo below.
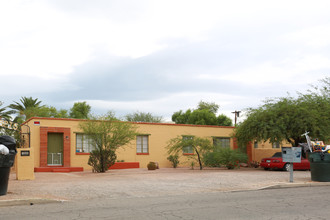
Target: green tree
{"x": 205, "y": 114}
{"x": 210, "y": 106}
{"x": 52, "y": 112}
{"x": 202, "y": 117}
{"x": 5, "y": 116}
{"x": 143, "y": 117}
{"x": 4, "y": 113}
{"x": 107, "y": 135}
{"x": 287, "y": 118}
{"x": 224, "y": 120}
{"x": 27, "y": 108}
{"x": 80, "y": 110}
{"x": 199, "y": 145}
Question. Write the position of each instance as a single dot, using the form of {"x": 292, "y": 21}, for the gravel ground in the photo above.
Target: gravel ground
{"x": 144, "y": 183}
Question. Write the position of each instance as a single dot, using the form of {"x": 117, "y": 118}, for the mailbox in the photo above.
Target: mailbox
{"x": 291, "y": 154}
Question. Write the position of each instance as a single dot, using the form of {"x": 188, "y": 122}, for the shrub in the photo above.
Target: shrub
{"x": 174, "y": 159}
{"x": 152, "y": 166}
{"x": 102, "y": 159}
{"x": 224, "y": 157}
{"x": 192, "y": 164}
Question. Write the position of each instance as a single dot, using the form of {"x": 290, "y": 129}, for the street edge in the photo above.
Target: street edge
{"x": 17, "y": 202}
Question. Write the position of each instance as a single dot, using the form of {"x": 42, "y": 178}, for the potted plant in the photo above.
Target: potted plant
{"x": 152, "y": 166}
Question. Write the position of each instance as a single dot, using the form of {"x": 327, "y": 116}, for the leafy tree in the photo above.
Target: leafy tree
{"x": 287, "y": 118}
{"x": 80, "y": 110}
{"x": 107, "y": 135}
{"x": 205, "y": 114}
{"x": 52, "y": 112}
{"x": 27, "y": 108}
{"x": 210, "y": 106}
{"x": 143, "y": 117}
{"x": 199, "y": 145}
{"x": 181, "y": 117}
{"x": 224, "y": 120}
{"x": 202, "y": 117}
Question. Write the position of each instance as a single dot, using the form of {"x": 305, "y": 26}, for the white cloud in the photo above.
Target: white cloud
{"x": 163, "y": 55}
{"x": 315, "y": 37}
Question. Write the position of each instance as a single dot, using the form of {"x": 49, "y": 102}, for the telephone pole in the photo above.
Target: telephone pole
{"x": 236, "y": 116}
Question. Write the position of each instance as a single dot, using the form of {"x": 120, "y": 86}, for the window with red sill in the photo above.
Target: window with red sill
{"x": 84, "y": 144}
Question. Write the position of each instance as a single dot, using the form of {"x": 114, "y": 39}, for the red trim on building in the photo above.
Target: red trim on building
{"x": 58, "y": 169}
{"x": 145, "y": 123}
{"x": 77, "y": 153}
{"x": 44, "y": 144}
{"x": 188, "y": 154}
{"x": 142, "y": 153}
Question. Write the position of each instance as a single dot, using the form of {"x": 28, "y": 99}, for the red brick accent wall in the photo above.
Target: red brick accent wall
{"x": 43, "y": 144}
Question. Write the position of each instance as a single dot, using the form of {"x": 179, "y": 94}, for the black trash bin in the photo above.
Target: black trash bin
{"x": 320, "y": 166}
{"x": 6, "y": 162}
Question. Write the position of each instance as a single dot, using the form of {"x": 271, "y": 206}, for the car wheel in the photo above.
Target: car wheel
{"x": 286, "y": 167}
{"x": 265, "y": 168}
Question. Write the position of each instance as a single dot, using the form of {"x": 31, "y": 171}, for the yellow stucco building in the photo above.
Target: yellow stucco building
{"x": 59, "y": 143}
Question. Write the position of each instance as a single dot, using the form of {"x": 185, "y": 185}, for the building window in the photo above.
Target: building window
{"x": 276, "y": 145}
{"x": 221, "y": 142}
{"x": 142, "y": 144}
{"x": 187, "y": 149}
{"x": 255, "y": 144}
{"x": 84, "y": 144}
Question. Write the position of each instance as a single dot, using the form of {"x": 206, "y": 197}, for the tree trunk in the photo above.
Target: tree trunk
{"x": 199, "y": 160}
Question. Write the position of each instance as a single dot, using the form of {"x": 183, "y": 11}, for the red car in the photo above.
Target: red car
{"x": 276, "y": 163}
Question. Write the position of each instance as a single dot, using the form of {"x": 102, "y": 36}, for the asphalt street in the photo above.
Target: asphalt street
{"x": 287, "y": 203}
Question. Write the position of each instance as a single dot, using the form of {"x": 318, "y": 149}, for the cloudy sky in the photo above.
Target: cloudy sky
{"x": 161, "y": 56}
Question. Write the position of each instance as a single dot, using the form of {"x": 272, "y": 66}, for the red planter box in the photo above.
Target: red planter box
{"x": 125, "y": 165}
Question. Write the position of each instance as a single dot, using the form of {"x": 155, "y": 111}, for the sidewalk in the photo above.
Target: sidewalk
{"x": 52, "y": 187}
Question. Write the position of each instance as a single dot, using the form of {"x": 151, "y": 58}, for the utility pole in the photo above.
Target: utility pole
{"x": 236, "y": 116}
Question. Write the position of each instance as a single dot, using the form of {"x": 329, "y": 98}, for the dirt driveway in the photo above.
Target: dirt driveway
{"x": 144, "y": 183}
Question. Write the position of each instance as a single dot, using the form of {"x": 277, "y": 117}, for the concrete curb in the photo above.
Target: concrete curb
{"x": 293, "y": 185}
{"x": 18, "y": 202}
{"x": 33, "y": 201}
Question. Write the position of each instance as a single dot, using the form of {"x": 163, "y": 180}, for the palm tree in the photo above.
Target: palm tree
{"x": 5, "y": 113}
{"x": 28, "y": 107}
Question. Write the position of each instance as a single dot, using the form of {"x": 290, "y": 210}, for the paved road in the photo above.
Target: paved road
{"x": 290, "y": 203}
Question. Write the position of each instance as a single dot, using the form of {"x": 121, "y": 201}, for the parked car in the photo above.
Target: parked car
{"x": 276, "y": 163}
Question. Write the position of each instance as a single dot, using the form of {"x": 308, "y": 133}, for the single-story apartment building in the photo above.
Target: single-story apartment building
{"x": 57, "y": 142}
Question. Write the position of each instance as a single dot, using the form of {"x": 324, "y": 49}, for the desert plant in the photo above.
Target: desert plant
{"x": 107, "y": 135}
{"x": 192, "y": 164}
{"x": 224, "y": 157}
{"x": 174, "y": 159}
{"x": 152, "y": 166}
{"x": 101, "y": 159}
{"x": 197, "y": 145}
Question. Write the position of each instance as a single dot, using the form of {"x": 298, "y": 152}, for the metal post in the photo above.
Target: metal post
{"x": 291, "y": 172}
